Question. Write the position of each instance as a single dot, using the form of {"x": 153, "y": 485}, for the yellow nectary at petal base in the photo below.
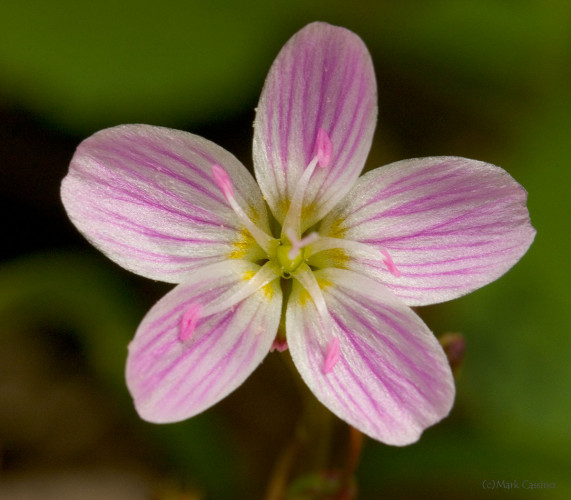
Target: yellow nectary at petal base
{"x": 245, "y": 245}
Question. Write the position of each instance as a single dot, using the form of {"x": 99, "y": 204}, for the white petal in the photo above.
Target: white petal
{"x": 449, "y": 225}
{"x": 145, "y": 196}
{"x": 174, "y": 374}
{"x": 322, "y": 79}
{"x": 390, "y": 377}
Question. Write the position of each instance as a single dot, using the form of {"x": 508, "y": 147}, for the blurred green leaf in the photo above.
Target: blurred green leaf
{"x": 79, "y": 295}
{"x": 91, "y": 64}
{"x": 72, "y": 292}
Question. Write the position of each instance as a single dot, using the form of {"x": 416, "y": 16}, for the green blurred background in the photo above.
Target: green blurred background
{"x": 485, "y": 79}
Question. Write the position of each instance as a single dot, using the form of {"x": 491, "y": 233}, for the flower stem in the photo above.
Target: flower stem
{"x": 307, "y": 461}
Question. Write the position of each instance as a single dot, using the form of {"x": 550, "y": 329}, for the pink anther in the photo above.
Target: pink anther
{"x": 332, "y": 356}
{"x": 188, "y": 321}
{"x": 390, "y": 264}
{"x": 279, "y": 345}
{"x": 223, "y": 180}
{"x": 324, "y": 148}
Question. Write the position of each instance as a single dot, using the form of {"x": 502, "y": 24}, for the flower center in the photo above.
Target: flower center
{"x": 286, "y": 256}
{"x": 287, "y": 264}
{"x": 291, "y": 254}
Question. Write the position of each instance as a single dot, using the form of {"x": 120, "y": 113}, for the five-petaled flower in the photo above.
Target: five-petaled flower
{"x": 330, "y": 270}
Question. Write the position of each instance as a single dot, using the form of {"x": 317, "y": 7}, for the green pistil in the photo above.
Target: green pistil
{"x": 288, "y": 265}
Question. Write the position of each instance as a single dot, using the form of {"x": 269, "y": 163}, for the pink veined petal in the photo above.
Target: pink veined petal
{"x": 391, "y": 379}
{"x": 174, "y": 374}
{"x": 449, "y": 225}
{"x": 146, "y": 197}
{"x": 322, "y": 79}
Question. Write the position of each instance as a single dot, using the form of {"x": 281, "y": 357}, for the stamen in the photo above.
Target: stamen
{"x": 332, "y": 356}
{"x": 296, "y": 244}
{"x": 322, "y": 157}
{"x": 329, "y": 243}
{"x": 390, "y": 264}
{"x": 324, "y": 148}
{"x": 225, "y": 184}
{"x": 267, "y": 273}
{"x": 356, "y": 247}
{"x": 307, "y": 279}
{"x": 188, "y": 321}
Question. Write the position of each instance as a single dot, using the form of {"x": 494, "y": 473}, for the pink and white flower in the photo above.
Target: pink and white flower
{"x": 342, "y": 257}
